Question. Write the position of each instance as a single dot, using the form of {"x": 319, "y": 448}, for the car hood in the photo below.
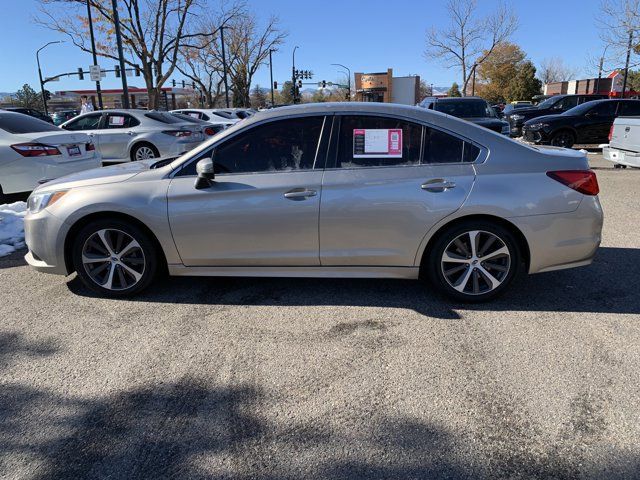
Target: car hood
{"x": 100, "y": 176}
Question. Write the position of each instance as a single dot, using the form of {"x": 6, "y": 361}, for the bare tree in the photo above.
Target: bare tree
{"x": 618, "y": 19}
{"x": 153, "y": 32}
{"x": 554, "y": 69}
{"x": 468, "y": 41}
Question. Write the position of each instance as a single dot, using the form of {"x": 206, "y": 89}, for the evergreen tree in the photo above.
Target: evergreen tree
{"x": 454, "y": 91}
{"x": 27, "y": 97}
{"x": 525, "y": 84}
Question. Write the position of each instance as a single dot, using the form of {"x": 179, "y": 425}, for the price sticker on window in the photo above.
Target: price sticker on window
{"x": 377, "y": 142}
{"x": 116, "y": 121}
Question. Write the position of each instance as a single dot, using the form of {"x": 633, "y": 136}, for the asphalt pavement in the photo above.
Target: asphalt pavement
{"x": 336, "y": 379}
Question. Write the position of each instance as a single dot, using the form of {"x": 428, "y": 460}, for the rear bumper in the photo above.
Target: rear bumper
{"x": 44, "y": 236}
{"x": 563, "y": 240}
{"x": 621, "y": 157}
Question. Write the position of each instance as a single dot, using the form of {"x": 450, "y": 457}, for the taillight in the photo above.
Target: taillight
{"x": 209, "y": 131}
{"x": 178, "y": 133}
{"x": 90, "y": 147}
{"x": 583, "y": 181}
{"x": 610, "y": 132}
{"x": 35, "y": 149}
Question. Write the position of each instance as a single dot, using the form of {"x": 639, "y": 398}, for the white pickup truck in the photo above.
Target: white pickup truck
{"x": 624, "y": 143}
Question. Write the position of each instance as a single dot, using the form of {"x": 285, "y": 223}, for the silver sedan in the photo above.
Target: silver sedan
{"x": 327, "y": 190}
{"x": 129, "y": 135}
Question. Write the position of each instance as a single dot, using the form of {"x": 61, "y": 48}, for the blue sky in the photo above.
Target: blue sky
{"x": 365, "y": 36}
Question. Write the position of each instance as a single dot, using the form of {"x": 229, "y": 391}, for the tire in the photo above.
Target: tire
{"x": 114, "y": 258}
{"x": 563, "y": 138}
{"x": 467, "y": 277}
{"x": 144, "y": 151}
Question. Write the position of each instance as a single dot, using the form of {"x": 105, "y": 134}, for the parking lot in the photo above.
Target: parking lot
{"x": 305, "y": 378}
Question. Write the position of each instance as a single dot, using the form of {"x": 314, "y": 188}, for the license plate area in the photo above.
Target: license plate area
{"x": 73, "y": 150}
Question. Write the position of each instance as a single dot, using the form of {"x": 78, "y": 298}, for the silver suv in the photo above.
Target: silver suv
{"x": 326, "y": 190}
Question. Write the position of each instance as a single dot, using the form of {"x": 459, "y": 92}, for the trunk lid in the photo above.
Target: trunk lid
{"x": 626, "y": 134}
{"x": 72, "y": 146}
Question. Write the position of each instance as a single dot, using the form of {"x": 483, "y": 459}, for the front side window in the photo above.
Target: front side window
{"x": 89, "y": 122}
{"x": 566, "y": 103}
{"x": 368, "y": 141}
{"x": 604, "y": 109}
{"x": 282, "y": 145}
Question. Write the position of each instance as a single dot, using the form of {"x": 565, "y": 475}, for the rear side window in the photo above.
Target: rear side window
{"x": 163, "y": 117}
{"x": 604, "y": 109}
{"x": 368, "y": 141}
{"x": 21, "y": 123}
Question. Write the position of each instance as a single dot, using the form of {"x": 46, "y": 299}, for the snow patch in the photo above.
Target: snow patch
{"x": 11, "y": 227}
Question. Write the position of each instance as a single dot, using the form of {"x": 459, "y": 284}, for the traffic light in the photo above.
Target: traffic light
{"x": 117, "y": 70}
{"x": 173, "y": 83}
{"x": 275, "y": 85}
{"x": 324, "y": 84}
{"x": 80, "y": 73}
{"x": 183, "y": 83}
{"x": 299, "y": 83}
{"x": 47, "y": 95}
{"x": 137, "y": 69}
{"x": 193, "y": 85}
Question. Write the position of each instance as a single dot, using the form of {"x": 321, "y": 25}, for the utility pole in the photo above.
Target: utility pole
{"x": 626, "y": 66}
{"x": 349, "y": 78}
{"x": 123, "y": 72}
{"x": 473, "y": 81}
{"x": 271, "y": 74}
{"x": 293, "y": 75}
{"x": 42, "y": 92}
{"x": 224, "y": 66}
{"x": 93, "y": 51}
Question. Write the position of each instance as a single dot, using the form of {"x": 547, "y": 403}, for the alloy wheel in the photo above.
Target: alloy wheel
{"x": 144, "y": 153}
{"x": 113, "y": 259}
{"x": 564, "y": 139}
{"x": 476, "y": 262}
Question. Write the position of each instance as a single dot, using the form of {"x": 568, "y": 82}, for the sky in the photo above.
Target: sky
{"x": 366, "y": 36}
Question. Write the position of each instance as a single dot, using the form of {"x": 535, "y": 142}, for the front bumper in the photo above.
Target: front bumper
{"x": 44, "y": 236}
{"x": 515, "y": 127}
{"x": 563, "y": 240}
{"x": 539, "y": 137}
{"x": 621, "y": 157}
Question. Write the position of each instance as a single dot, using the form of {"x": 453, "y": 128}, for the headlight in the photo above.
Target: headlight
{"x": 39, "y": 201}
{"x": 506, "y": 129}
{"x": 517, "y": 117}
{"x": 537, "y": 126}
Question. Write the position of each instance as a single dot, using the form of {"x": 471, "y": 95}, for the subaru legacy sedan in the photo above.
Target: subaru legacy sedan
{"x": 326, "y": 190}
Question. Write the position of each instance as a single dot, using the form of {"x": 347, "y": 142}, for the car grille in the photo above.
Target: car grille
{"x": 530, "y": 136}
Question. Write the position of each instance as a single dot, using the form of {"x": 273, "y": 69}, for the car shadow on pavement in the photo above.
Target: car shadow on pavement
{"x": 14, "y": 259}
{"x": 609, "y": 285}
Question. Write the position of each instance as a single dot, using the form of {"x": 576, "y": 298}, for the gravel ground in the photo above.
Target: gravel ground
{"x": 291, "y": 379}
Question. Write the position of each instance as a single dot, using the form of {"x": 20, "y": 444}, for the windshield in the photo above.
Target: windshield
{"x": 20, "y": 123}
{"x": 163, "y": 117}
{"x": 465, "y": 109}
{"x": 548, "y": 102}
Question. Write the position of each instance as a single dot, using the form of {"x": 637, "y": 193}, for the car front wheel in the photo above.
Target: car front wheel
{"x": 114, "y": 258}
{"x": 474, "y": 261}
{"x": 563, "y": 138}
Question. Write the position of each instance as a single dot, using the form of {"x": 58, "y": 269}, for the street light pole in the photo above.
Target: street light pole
{"x": 123, "y": 73}
{"x": 626, "y": 67}
{"x": 224, "y": 66}
{"x": 293, "y": 74}
{"x": 271, "y": 74}
{"x": 93, "y": 51}
{"x": 44, "y": 97}
{"x": 349, "y": 79}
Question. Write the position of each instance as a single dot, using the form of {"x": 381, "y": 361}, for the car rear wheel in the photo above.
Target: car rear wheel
{"x": 474, "y": 261}
{"x": 144, "y": 151}
{"x": 563, "y": 138}
{"x": 114, "y": 258}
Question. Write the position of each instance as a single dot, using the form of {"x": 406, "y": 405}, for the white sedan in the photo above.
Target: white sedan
{"x": 33, "y": 151}
{"x": 216, "y": 116}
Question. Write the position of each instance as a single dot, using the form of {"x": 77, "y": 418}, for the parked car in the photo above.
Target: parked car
{"x": 326, "y": 190}
{"x": 208, "y": 115}
{"x": 208, "y": 129}
{"x": 62, "y": 116}
{"x": 511, "y": 107}
{"x": 550, "y": 106}
{"x": 32, "y": 112}
{"x": 588, "y": 123}
{"x": 624, "y": 141}
{"x": 33, "y": 151}
{"x": 472, "y": 109}
{"x": 127, "y": 135}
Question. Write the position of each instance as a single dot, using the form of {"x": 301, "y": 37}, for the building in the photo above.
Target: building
{"x": 385, "y": 88}
{"x": 610, "y": 85}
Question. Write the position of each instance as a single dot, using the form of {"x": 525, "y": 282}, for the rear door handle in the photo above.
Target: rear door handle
{"x": 300, "y": 194}
{"x": 437, "y": 185}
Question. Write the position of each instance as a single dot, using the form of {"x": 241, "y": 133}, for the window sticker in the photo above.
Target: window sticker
{"x": 116, "y": 120}
{"x": 377, "y": 142}
{"x": 194, "y": 115}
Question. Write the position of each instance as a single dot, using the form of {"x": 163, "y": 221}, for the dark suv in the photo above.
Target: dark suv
{"x": 550, "y": 106}
{"x": 472, "y": 109}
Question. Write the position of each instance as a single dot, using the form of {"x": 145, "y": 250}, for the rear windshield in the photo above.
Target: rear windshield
{"x": 188, "y": 118}
{"x": 226, "y": 115}
{"x": 163, "y": 117}
{"x": 465, "y": 109}
{"x": 19, "y": 123}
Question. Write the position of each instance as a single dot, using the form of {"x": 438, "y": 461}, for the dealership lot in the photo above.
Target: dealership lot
{"x": 290, "y": 378}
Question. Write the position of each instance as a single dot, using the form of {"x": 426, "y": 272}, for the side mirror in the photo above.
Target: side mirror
{"x": 205, "y": 169}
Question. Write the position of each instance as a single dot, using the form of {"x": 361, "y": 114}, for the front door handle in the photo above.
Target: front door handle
{"x": 300, "y": 194}
{"x": 437, "y": 185}
{"x": 131, "y": 133}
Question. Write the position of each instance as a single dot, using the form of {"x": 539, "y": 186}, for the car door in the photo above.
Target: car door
{"x": 387, "y": 182}
{"x": 89, "y": 124}
{"x": 262, "y": 208}
{"x": 594, "y": 126}
{"x": 115, "y": 135}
